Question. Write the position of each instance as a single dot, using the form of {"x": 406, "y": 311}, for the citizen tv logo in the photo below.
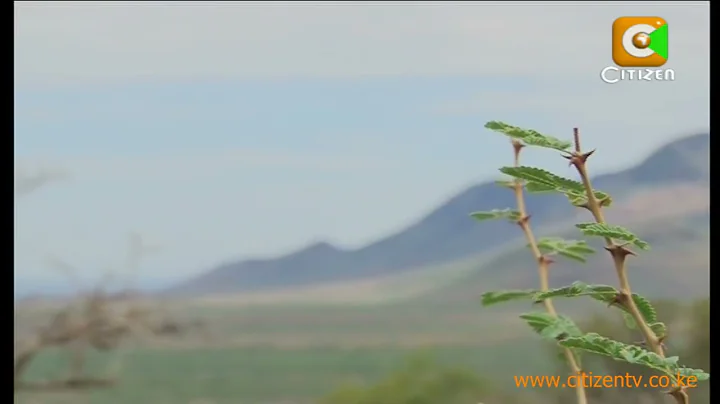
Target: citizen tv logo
{"x": 639, "y": 48}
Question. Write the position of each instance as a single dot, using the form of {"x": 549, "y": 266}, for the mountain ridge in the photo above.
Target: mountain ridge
{"x": 445, "y": 233}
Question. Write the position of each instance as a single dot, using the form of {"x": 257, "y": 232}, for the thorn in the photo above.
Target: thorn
{"x": 620, "y": 250}
{"x": 619, "y": 299}
{"x": 679, "y": 395}
{"x": 578, "y": 159}
{"x": 545, "y": 260}
{"x": 604, "y": 202}
{"x": 523, "y": 220}
{"x": 517, "y": 146}
{"x": 613, "y": 302}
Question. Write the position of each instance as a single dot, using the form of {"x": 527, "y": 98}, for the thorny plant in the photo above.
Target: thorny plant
{"x": 638, "y": 311}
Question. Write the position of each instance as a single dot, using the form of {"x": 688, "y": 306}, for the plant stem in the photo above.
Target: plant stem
{"x": 619, "y": 254}
{"x": 543, "y": 265}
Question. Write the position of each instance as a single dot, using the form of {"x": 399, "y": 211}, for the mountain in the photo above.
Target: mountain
{"x": 447, "y": 234}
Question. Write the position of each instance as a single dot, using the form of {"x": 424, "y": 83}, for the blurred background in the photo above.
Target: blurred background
{"x": 267, "y": 203}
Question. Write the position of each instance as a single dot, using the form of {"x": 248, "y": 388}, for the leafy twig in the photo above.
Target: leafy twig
{"x": 560, "y": 328}
{"x": 619, "y": 253}
{"x": 543, "y": 265}
{"x": 549, "y": 324}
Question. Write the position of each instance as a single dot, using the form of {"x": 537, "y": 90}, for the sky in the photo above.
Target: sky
{"x": 222, "y": 131}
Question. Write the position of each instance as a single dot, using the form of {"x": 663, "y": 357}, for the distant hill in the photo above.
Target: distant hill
{"x": 447, "y": 234}
{"x": 677, "y": 266}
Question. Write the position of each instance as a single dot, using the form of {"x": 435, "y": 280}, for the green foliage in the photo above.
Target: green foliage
{"x": 420, "y": 381}
{"x": 494, "y": 297}
{"x": 528, "y": 136}
{"x": 595, "y": 343}
{"x": 509, "y": 214}
{"x": 538, "y": 188}
{"x": 545, "y": 181}
{"x": 603, "y": 293}
{"x": 571, "y": 249}
{"x": 559, "y": 328}
{"x": 612, "y": 232}
{"x": 224, "y": 373}
{"x": 608, "y": 294}
{"x": 690, "y": 341}
{"x": 551, "y": 327}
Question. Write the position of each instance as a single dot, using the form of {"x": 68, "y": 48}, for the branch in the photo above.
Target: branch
{"x": 543, "y": 265}
{"x": 619, "y": 253}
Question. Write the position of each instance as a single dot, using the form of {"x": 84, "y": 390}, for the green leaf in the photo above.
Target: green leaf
{"x": 546, "y": 181}
{"x": 580, "y": 198}
{"x": 576, "y": 199}
{"x": 648, "y": 313}
{"x": 659, "y": 329}
{"x": 645, "y": 308}
{"x": 629, "y": 321}
{"x": 571, "y": 249}
{"x": 613, "y": 232}
{"x": 542, "y": 177}
{"x": 603, "y": 293}
{"x": 536, "y": 188}
{"x": 509, "y": 214}
{"x": 490, "y": 298}
{"x": 551, "y": 327}
{"x": 619, "y": 351}
{"x": 528, "y": 136}
{"x": 531, "y": 187}
{"x": 608, "y": 294}
{"x": 698, "y": 373}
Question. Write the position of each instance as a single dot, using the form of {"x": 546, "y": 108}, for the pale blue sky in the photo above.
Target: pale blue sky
{"x": 223, "y": 131}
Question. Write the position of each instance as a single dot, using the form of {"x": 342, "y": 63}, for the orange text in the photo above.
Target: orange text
{"x": 589, "y": 380}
